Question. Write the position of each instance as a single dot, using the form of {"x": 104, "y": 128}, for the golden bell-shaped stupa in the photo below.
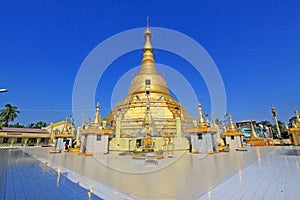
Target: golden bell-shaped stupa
{"x": 148, "y": 89}
{"x": 254, "y": 139}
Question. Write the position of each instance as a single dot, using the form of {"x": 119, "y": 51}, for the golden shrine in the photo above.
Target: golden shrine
{"x": 254, "y": 139}
{"x": 148, "y": 90}
{"x": 203, "y": 137}
{"x": 233, "y": 138}
{"x": 60, "y": 130}
{"x": 62, "y": 133}
{"x": 294, "y": 131}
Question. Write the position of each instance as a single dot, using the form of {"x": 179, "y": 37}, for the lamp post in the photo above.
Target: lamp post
{"x": 277, "y": 125}
{"x": 3, "y": 90}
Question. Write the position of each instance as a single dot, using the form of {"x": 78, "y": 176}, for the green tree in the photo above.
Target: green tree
{"x": 39, "y": 124}
{"x": 282, "y": 128}
{"x": 8, "y": 114}
{"x": 266, "y": 123}
{"x": 291, "y": 121}
{"x": 17, "y": 125}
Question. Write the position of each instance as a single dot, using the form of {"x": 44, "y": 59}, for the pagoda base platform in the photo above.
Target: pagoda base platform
{"x": 148, "y": 156}
{"x": 74, "y": 150}
{"x": 295, "y": 136}
{"x": 131, "y": 144}
{"x": 256, "y": 142}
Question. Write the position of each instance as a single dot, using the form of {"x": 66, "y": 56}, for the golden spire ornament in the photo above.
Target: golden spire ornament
{"x": 201, "y": 121}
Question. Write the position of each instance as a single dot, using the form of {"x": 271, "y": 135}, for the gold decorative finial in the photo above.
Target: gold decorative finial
{"x": 201, "y": 121}
{"x": 97, "y": 119}
{"x": 148, "y": 53}
{"x": 231, "y": 127}
{"x": 147, "y": 22}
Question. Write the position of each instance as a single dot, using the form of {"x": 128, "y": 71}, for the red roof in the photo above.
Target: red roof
{"x": 24, "y": 130}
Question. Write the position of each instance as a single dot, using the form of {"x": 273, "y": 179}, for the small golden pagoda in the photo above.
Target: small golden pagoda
{"x": 148, "y": 88}
{"x": 254, "y": 139}
{"x": 203, "y": 137}
{"x": 294, "y": 131}
{"x": 233, "y": 138}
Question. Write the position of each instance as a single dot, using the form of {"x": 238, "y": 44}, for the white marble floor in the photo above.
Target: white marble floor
{"x": 275, "y": 175}
{"x": 259, "y": 173}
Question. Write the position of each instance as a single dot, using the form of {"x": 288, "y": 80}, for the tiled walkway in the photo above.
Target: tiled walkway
{"x": 26, "y": 178}
{"x": 259, "y": 173}
{"x": 275, "y": 176}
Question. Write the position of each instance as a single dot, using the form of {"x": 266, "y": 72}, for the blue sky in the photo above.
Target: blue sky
{"x": 255, "y": 45}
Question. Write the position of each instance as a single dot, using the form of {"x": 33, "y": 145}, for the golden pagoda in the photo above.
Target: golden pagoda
{"x": 294, "y": 131}
{"x": 233, "y": 137}
{"x": 203, "y": 137}
{"x": 147, "y": 89}
{"x": 254, "y": 139}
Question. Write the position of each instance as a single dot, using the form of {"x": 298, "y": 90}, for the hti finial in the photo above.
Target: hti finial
{"x": 273, "y": 111}
{"x": 231, "y": 126}
{"x": 147, "y": 22}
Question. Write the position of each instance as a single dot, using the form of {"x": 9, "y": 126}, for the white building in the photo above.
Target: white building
{"x": 203, "y": 138}
{"x": 233, "y": 138}
{"x": 95, "y": 138}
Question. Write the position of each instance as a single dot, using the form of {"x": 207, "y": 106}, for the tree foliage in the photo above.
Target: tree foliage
{"x": 8, "y": 114}
{"x": 16, "y": 125}
{"x": 291, "y": 121}
{"x": 282, "y": 128}
{"x": 266, "y": 123}
{"x": 39, "y": 124}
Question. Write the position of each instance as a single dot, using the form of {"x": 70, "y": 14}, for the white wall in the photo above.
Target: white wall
{"x": 93, "y": 145}
{"x": 203, "y": 145}
{"x": 233, "y": 143}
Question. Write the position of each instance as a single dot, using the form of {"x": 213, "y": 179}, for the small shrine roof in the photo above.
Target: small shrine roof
{"x": 201, "y": 129}
{"x": 232, "y": 132}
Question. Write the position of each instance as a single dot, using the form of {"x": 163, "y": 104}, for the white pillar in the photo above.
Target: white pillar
{"x": 178, "y": 127}
{"x": 118, "y": 125}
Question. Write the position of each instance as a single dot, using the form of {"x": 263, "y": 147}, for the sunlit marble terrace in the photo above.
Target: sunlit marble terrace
{"x": 260, "y": 173}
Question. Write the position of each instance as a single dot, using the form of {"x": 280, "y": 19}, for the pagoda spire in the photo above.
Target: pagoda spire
{"x": 253, "y": 133}
{"x": 201, "y": 121}
{"x": 231, "y": 126}
{"x": 148, "y": 66}
{"x": 97, "y": 119}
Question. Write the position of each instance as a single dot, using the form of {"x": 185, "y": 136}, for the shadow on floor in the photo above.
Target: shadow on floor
{"x": 291, "y": 153}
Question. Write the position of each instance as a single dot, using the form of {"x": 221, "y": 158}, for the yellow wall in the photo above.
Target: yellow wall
{"x": 122, "y": 144}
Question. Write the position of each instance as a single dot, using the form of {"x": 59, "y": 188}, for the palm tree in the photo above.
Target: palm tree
{"x": 8, "y": 114}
